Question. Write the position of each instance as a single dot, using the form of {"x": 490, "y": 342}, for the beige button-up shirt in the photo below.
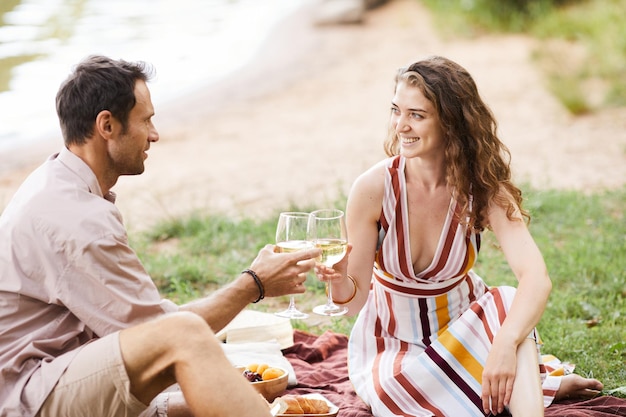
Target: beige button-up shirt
{"x": 67, "y": 276}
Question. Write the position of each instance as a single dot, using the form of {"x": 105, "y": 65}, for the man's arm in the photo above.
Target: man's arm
{"x": 279, "y": 274}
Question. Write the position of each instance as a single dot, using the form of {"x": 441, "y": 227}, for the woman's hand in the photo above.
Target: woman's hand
{"x": 338, "y": 272}
{"x": 343, "y": 288}
{"x": 498, "y": 376}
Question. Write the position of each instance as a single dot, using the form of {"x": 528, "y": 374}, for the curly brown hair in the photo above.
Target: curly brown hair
{"x": 477, "y": 162}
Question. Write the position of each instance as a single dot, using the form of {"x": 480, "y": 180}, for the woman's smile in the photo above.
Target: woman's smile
{"x": 407, "y": 141}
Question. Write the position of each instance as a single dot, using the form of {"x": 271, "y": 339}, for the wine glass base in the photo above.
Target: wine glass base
{"x": 330, "y": 310}
{"x": 292, "y": 314}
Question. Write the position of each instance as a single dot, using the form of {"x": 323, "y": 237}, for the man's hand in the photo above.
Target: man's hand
{"x": 283, "y": 273}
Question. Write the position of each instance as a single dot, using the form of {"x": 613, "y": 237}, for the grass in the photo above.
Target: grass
{"x": 582, "y": 237}
{"x": 581, "y": 49}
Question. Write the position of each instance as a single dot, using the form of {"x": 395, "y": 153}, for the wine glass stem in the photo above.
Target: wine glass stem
{"x": 329, "y": 291}
{"x": 292, "y": 303}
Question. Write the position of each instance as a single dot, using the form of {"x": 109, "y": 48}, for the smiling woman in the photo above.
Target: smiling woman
{"x": 415, "y": 119}
{"x": 440, "y": 340}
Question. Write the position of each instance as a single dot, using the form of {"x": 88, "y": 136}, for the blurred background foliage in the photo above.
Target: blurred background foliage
{"x": 581, "y": 46}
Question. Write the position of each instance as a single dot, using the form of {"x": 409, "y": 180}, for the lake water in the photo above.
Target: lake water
{"x": 190, "y": 42}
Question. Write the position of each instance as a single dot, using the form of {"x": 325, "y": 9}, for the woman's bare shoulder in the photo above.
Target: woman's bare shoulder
{"x": 369, "y": 186}
{"x": 373, "y": 177}
{"x": 376, "y": 172}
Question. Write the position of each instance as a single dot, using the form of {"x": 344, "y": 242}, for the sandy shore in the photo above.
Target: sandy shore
{"x": 301, "y": 121}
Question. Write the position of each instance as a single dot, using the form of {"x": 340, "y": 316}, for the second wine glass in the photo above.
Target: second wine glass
{"x": 292, "y": 235}
{"x": 330, "y": 235}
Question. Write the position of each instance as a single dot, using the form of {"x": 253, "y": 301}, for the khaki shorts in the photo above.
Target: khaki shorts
{"x": 94, "y": 384}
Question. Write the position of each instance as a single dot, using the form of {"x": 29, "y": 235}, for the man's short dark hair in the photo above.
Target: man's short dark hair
{"x": 97, "y": 83}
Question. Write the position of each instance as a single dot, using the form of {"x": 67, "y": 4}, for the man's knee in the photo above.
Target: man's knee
{"x": 153, "y": 350}
{"x": 184, "y": 322}
{"x": 186, "y": 331}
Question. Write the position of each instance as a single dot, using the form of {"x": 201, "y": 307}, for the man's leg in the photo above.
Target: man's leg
{"x": 181, "y": 348}
{"x": 94, "y": 384}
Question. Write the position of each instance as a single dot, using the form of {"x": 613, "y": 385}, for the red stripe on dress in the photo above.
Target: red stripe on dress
{"x": 380, "y": 346}
{"x": 417, "y": 396}
{"x": 389, "y": 403}
{"x": 423, "y": 307}
{"x": 445, "y": 252}
{"x": 480, "y": 312}
{"x": 405, "y": 265}
{"x": 455, "y": 378}
{"x": 550, "y": 393}
{"x": 470, "y": 288}
{"x": 395, "y": 179}
{"x": 391, "y": 326}
{"x": 420, "y": 291}
{"x": 384, "y": 222}
{"x": 542, "y": 368}
{"x": 469, "y": 249}
{"x": 382, "y": 219}
{"x": 378, "y": 328}
{"x": 497, "y": 296}
{"x": 406, "y": 385}
{"x": 402, "y": 258}
{"x": 382, "y": 393}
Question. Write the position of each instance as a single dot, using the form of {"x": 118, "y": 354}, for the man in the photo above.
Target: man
{"x": 83, "y": 330}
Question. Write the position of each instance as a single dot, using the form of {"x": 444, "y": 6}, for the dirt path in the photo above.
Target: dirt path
{"x": 302, "y": 121}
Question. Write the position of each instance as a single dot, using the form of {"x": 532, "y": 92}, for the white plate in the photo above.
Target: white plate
{"x": 332, "y": 412}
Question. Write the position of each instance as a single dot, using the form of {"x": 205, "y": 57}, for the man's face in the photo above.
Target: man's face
{"x": 128, "y": 151}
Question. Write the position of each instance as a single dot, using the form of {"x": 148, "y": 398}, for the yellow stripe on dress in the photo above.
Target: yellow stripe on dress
{"x": 443, "y": 316}
{"x": 471, "y": 258}
{"x": 456, "y": 349}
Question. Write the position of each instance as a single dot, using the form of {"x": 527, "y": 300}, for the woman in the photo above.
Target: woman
{"x": 431, "y": 338}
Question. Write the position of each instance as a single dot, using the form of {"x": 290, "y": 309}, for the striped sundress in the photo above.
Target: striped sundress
{"x": 419, "y": 345}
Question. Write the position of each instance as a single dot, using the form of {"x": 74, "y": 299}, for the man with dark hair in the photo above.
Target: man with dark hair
{"x": 83, "y": 329}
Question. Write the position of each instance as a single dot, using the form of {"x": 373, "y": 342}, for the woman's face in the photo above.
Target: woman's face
{"x": 416, "y": 123}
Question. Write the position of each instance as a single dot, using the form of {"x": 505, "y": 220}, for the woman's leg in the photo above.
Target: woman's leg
{"x": 527, "y": 395}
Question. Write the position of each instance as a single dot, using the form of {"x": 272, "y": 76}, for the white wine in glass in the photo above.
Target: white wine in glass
{"x": 292, "y": 235}
{"x": 330, "y": 235}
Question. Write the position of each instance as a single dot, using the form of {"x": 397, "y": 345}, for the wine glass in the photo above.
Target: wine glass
{"x": 330, "y": 235}
{"x": 292, "y": 235}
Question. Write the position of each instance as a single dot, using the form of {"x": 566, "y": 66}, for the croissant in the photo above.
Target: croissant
{"x": 297, "y": 404}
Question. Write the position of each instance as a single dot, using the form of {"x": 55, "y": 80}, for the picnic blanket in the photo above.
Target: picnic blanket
{"x": 320, "y": 364}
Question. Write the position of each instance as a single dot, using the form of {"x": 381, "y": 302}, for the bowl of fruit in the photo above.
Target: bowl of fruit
{"x": 269, "y": 381}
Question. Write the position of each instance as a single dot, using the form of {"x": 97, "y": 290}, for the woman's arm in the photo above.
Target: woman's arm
{"x": 526, "y": 262}
{"x": 362, "y": 214}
